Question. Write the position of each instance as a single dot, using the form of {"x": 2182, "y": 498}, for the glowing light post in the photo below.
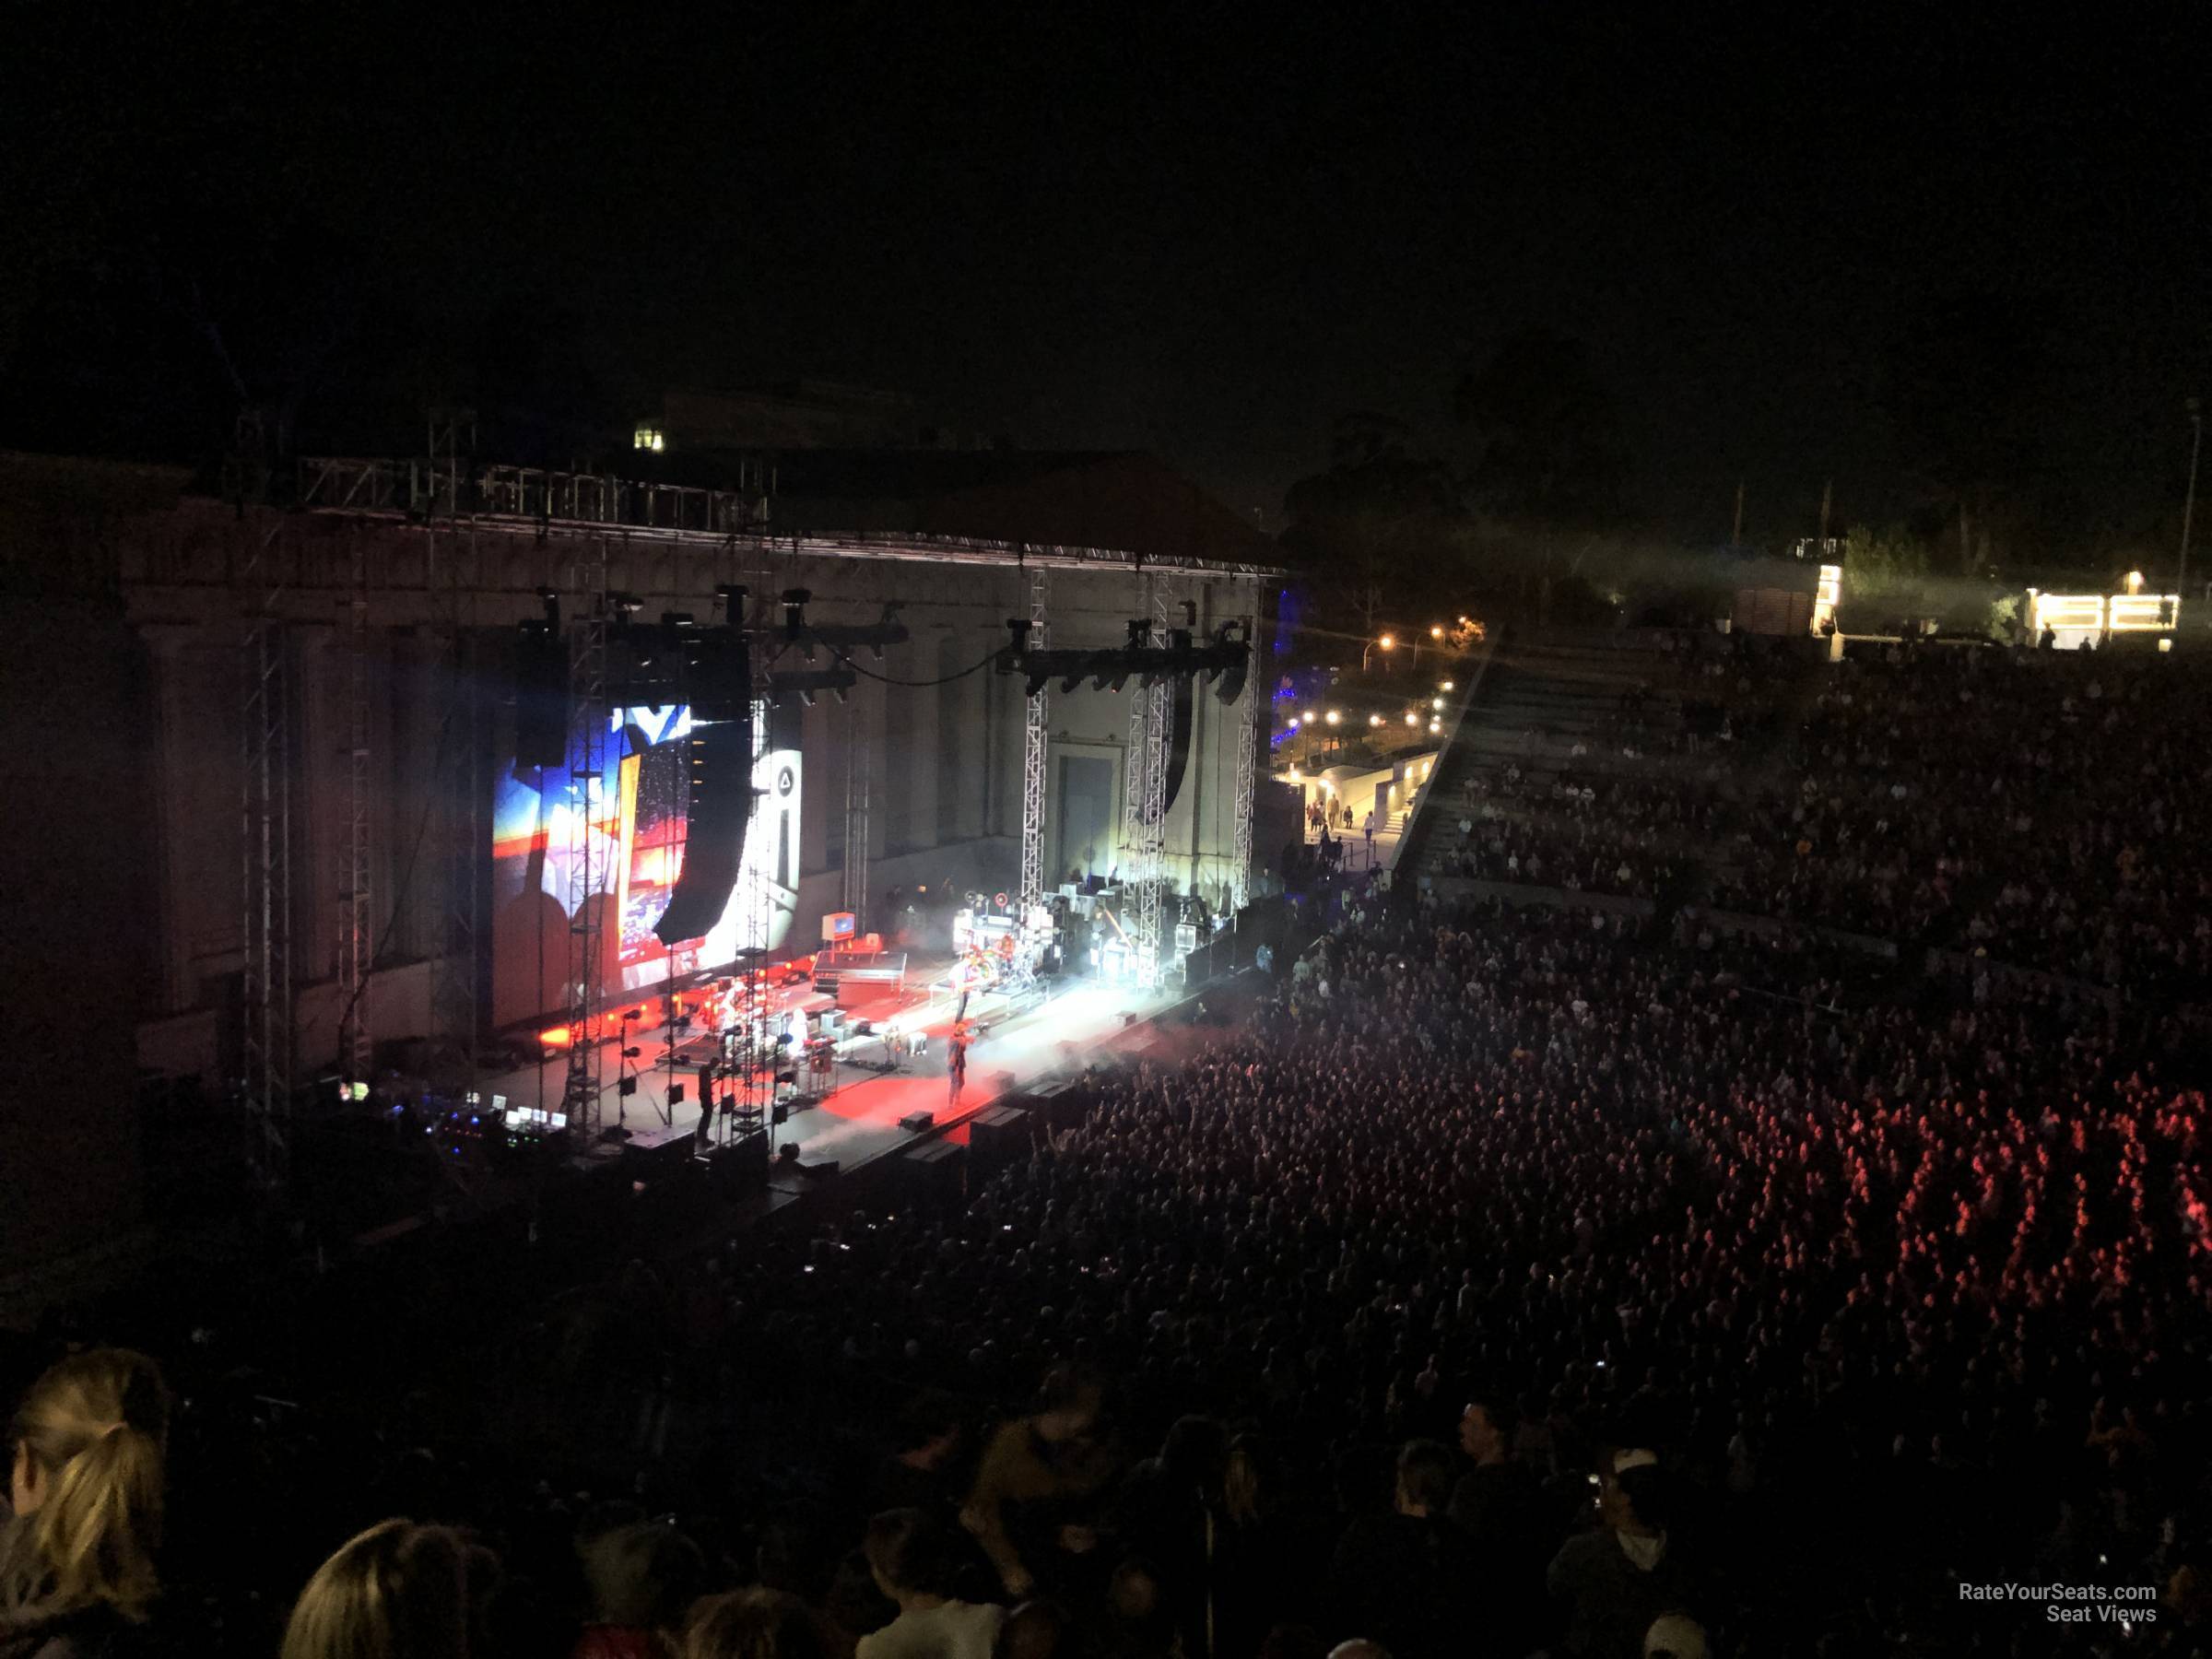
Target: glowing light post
{"x": 2180, "y": 575}
{"x": 1386, "y": 643}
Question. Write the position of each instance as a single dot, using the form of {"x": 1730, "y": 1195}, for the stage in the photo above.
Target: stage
{"x": 858, "y": 1118}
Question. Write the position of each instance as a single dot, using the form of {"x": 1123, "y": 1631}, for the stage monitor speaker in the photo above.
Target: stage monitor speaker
{"x": 541, "y": 698}
{"x": 1179, "y": 745}
{"x": 931, "y": 1170}
{"x": 662, "y": 1144}
{"x": 719, "y": 761}
{"x": 999, "y": 1134}
{"x": 919, "y": 1123}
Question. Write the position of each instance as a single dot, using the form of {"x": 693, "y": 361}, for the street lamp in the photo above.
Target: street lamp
{"x": 2196, "y": 442}
{"x": 1386, "y": 641}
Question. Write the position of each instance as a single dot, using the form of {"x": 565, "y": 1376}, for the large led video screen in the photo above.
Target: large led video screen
{"x": 633, "y": 811}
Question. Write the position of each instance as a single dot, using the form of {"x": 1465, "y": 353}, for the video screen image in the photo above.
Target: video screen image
{"x": 632, "y": 810}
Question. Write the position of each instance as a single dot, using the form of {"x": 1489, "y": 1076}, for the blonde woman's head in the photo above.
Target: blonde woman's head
{"x": 397, "y": 1591}
{"x": 89, "y": 1439}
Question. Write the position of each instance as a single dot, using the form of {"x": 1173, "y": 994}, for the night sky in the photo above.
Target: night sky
{"x": 1208, "y": 237}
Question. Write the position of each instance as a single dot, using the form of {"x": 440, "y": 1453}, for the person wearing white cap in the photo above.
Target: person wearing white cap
{"x": 1617, "y": 1579}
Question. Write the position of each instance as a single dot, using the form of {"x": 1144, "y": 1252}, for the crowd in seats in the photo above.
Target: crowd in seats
{"x": 1594, "y": 833}
{"x": 1636, "y": 792}
{"x": 2033, "y": 805}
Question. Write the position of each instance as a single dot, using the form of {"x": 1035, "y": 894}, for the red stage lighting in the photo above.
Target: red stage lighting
{"x": 560, "y": 1036}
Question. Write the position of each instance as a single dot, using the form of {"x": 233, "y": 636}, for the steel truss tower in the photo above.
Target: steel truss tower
{"x": 1248, "y": 774}
{"x": 356, "y": 942}
{"x": 589, "y": 855}
{"x": 757, "y": 1086}
{"x": 1034, "y": 743}
{"x": 451, "y": 561}
{"x": 1143, "y": 818}
{"x": 855, "y": 890}
{"x": 266, "y": 843}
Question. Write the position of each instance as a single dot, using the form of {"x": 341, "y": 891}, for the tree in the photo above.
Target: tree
{"x": 1549, "y": 447}
{"x": 1889, "y": 565}
{"x": 1967, "y": 387}
{"x": 1372, "y": 524}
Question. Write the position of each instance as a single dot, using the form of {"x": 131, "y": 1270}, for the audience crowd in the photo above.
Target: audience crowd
{"x": 1511, "y": 1281}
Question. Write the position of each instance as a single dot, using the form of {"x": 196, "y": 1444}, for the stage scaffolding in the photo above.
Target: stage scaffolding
{"x": 267, "y": 1037}
{"x": 1034, "y": 761}
{"x": 1248, "y": 773}
{"x": 1152, "y": 863}
{"x": 588, "y": 859}
{"x": 855, "y": 872}
{"x": 265, "y": 842}
{"x": 1144, "y": 804}
{"x": 356, "y": 942}
{"x": 451, "y": 563}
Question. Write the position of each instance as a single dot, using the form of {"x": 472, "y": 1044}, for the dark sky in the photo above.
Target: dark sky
{"x": 1207, "y": 238}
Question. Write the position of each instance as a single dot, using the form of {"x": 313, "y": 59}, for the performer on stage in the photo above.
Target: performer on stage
{"x": 955, "y": 1064}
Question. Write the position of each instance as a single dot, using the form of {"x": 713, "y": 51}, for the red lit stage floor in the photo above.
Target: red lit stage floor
{"x": 859, "y": 1119}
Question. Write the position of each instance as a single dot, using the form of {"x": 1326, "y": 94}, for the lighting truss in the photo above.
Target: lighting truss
{"x": 1135, "y": 831}
{"x": 355, "y": 928}
{"x": 1157, "y": 706}
{"x": 757, "y": 1082}
{"x": 456, "y": 1015}
{"x": 588, "y": 858}
{"x": 1248, "y": 771}
{"x": 856, "y": 815}
{"x": 266, "y": 810}
{"x": 1033, "y": 761}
